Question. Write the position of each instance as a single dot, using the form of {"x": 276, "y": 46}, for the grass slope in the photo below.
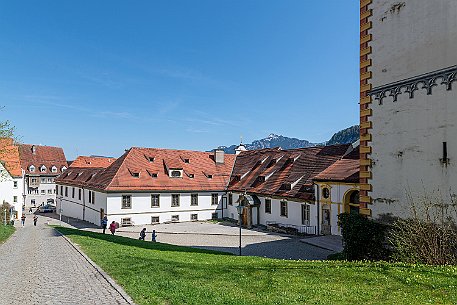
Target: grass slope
{"x": 5, "y": 232}
{"x": 155, "y": 273}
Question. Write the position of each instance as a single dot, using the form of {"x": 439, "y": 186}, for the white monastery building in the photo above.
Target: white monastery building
{"x": 146, "y": 186}
{"x": 275, "y": 187}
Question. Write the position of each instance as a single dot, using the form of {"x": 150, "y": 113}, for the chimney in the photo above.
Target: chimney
{"x": 33, "y": 149}
{"x": 219, "y": 156}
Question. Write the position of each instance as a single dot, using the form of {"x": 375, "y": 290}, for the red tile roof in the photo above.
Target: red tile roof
{"x": 9, "y": 156}
{"x": 345, "y": 170}
{"x": 92, "y": 162}
{"x": 44, "y": 155}
{"x": 148, "y": 162}
{"x": 283, "y": 173}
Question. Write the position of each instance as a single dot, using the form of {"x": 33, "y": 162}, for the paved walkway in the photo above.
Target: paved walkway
{"x": 221, "y": 237}
{"x": 329, "y": 242}
{"x": 38, "y": 266}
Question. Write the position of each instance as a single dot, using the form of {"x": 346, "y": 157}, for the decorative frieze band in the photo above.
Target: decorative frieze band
{"x": 428, "y": 80}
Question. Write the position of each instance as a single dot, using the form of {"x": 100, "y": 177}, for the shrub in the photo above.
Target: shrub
{"x": 363, "y": 238}
{"x": 429, "y": 236}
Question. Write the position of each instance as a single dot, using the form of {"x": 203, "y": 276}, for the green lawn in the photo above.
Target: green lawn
{"x": 5, "y": 232}
{"x": 165, "y": 274}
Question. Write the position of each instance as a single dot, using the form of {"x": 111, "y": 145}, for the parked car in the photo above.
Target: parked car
{"x": 47, "y": 209}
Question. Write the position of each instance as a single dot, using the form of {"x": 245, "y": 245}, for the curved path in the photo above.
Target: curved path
{"x": 38, "y": 266}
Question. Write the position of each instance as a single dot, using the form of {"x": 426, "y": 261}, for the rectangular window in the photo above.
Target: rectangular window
{"x": 154, "y": 219}
{"x": 268, "y": 206}
{"x": 79, "y": 194}
{"x": 73, "y": 193}
{"x": 193, "y": 217}
{"x": 15, "y": 184}
{"x": 50, "y": 191}
{"x": 194, "y": 199}
{"x": 93, "y": 197}
{"x": 66, "y": 191}
{"x": 174, "y": 217}
{"x": 126, "y": 202}
{"x": 43, "y": 192}
{"x": 284, "y": 208}
{"x": 90, "y": 196}
{"x": 175, "y": 200}
{"x": 305, "y": 210}
{"x": 61, "y": 190}
{"x": 126, "y": 222}
{"x": 14, "y": 198}
{"x": 230, "y": 199}
{"x": 57, "y": 190}
{"x": 155, "y": 200}
{"x": 214, "y": 199}
{"x": 43, "y": 180}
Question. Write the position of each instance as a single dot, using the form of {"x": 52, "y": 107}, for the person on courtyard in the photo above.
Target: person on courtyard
{"x": 143, "y": 234}
{"x": 35, "y": 220}
{"x": 30, "y": 210}
{"x": 112, "y": 227}
{"x": 104, "y": 223}
{"x": 23, "y": 219}
{"x": 154, "y": 235}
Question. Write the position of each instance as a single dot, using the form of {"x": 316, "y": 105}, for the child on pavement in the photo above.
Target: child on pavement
{"x": 112, "y": 227}
{"x": 23, "y": 219}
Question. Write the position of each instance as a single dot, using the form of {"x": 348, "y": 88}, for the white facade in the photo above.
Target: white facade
{"x": 332, "y": 203}
{"x": 139, "y": 208}
{"x": 41, "y": 192}
{"x": 295, "y": 215}
{"x": 11, "y": 190}
{"x": 412, "y": 38}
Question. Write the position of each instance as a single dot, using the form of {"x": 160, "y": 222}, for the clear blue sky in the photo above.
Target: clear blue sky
{"x": 97, "y": 77}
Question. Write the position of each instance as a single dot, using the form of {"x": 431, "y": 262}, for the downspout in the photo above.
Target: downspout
{"x": 84, "y": 203}
{"x": 318, "y": 208}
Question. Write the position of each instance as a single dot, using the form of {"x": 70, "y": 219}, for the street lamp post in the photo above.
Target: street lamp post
{"x": 239, "y": 208}
{"x": 4, "y": 217}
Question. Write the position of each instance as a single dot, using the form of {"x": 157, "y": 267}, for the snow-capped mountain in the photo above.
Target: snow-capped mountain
{"x": 348, "y": 135}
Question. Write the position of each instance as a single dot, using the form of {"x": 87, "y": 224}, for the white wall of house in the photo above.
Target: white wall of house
{"x": 294, "y": 212}
{"x": 407, "y": 135}
{"x": 141, "y": 211}
{"x": 36, "y": 196}
{"x": 11, "y": 190}
{"x": 335, "y": 203}
{"x": 81, "y": 207}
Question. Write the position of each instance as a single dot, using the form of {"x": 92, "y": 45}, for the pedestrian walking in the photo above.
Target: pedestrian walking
{"x": 154, "y": 235}
{"x": 142, "y": 234}
{"x": 30, "y": 210}
{"x": 112, "y": 227}
{"x": 23, "y": 219}
{"x": 104, "y": 223}
{"x": 35, "y": 220}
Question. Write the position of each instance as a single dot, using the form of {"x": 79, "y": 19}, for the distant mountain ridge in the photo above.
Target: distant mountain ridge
{"x": 348, "y": 135}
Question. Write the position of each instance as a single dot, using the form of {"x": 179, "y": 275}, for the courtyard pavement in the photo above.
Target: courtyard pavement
{"x": 38, "y": 266}
{"x": 222, "y": 236}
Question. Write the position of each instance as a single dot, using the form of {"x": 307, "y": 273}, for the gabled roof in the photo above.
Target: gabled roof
{"x": 345, "y": 170}
{"x": 9, "y": 156}
{"x": 283, "y": 173}
{"x": 121, "y": 175}
{"x": 92, "y": 162}
{"x": 38, "y": 156}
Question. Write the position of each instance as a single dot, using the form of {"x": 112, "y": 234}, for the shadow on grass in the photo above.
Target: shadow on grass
{"x": 126, "y": 241}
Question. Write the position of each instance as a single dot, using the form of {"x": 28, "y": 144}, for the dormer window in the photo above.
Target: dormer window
{"x": 150, "y": 159}
{"x": 54, "y": 169}
{"x": 191, "y": 176}
{"x": 43, "y": 169}
{"x": 210, "y": 176}
{"x": 175, "y": 174}
{"x": 32, "y": 168}
{"x": 135, "y": 174}
{"x": 64, "y": 168}
{"x": 186, "y": 161}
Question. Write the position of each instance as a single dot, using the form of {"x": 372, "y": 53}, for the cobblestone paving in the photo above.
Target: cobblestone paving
{"x": 40, "y": 267}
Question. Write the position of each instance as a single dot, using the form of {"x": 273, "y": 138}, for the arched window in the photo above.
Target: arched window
{"x": 352, "y": 202}
{"x": 43, "y": 169}
{"x": 54, "y": 169}
{"x": 32, "y": 168}
{"x": 325, "y": 193}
